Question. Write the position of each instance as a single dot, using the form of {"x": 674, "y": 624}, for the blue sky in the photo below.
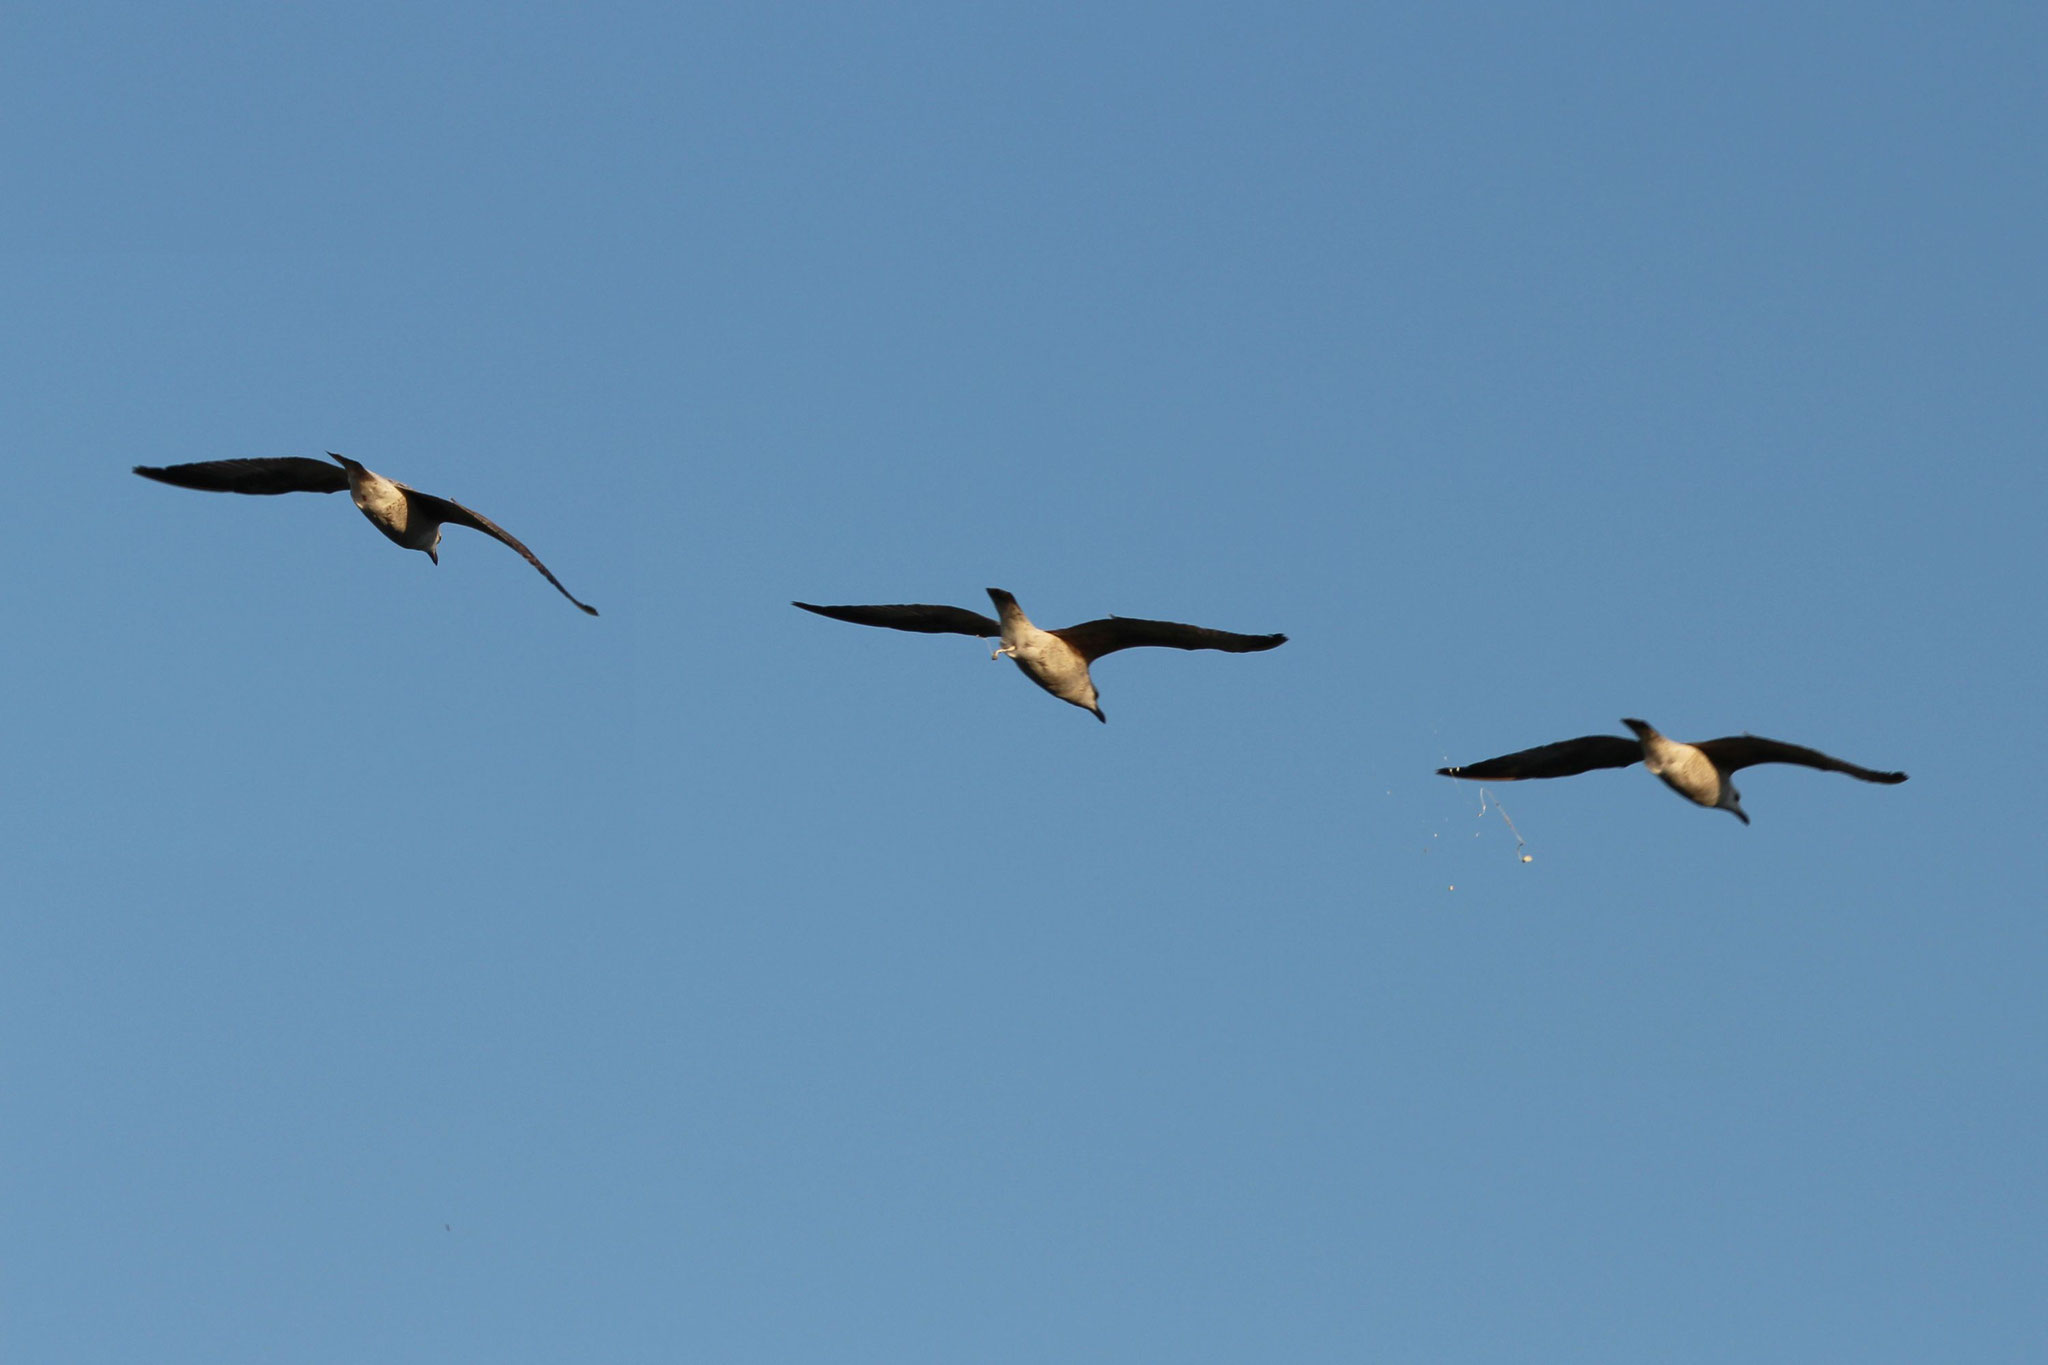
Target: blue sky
{"x": 400, "y": 965}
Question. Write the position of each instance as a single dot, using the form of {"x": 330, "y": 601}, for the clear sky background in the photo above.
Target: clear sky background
{"x": 401, "y": 966}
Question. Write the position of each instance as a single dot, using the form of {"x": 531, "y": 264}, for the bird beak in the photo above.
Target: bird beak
{"x": 1098, "y": 714}
{"x": 434, "y": 554}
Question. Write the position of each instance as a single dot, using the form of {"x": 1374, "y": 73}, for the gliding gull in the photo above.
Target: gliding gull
{"x": 1697, "y": 772}
{"x": 407, "y": 516}
{"x": 1057, "y": 660}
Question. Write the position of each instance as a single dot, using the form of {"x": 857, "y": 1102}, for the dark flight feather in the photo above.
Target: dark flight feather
{"x": 1566, "y": 758}
{"x": 262, "y": 477}
{"x": 1745, "y": 751}
{"x": 1096, "y": 638}
{"x": 450, "y": 513}
{"x": 923, "y": 618}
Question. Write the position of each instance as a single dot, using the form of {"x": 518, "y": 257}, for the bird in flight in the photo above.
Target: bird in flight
{"x": 1057, "y": 660}
{"x": 1697, "y": 772}
{"x": 407, "y": 516}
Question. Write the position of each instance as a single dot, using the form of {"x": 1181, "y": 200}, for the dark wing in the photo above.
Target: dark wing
{"x": 289, "y": 475}
{"x": 455, "y": 514}
{"x": 1746, "y": 751}
{"x": 918, "y": 616}
{"x": 1097, "y": 638}
{"x": 1566, "y": 758}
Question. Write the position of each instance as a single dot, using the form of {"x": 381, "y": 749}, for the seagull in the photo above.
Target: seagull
{"x": 1697, "y": 772}
{"x": 410, "y": 518}
{"x": 1057, "y": 660}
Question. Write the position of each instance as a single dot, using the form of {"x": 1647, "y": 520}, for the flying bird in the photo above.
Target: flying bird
{"x": 1057, "y": 660}
{"x": 410, "y": 518}
{"x": 1697, "y": 772}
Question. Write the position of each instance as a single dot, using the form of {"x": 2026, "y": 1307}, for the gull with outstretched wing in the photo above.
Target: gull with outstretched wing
{"x": 1698, "y": 772}
{"x": 407, "y": 516}
{"x": 1057, "y": 660}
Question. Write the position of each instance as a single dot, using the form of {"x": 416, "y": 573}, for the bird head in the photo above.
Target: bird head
{"x": 1087, "y": 698}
